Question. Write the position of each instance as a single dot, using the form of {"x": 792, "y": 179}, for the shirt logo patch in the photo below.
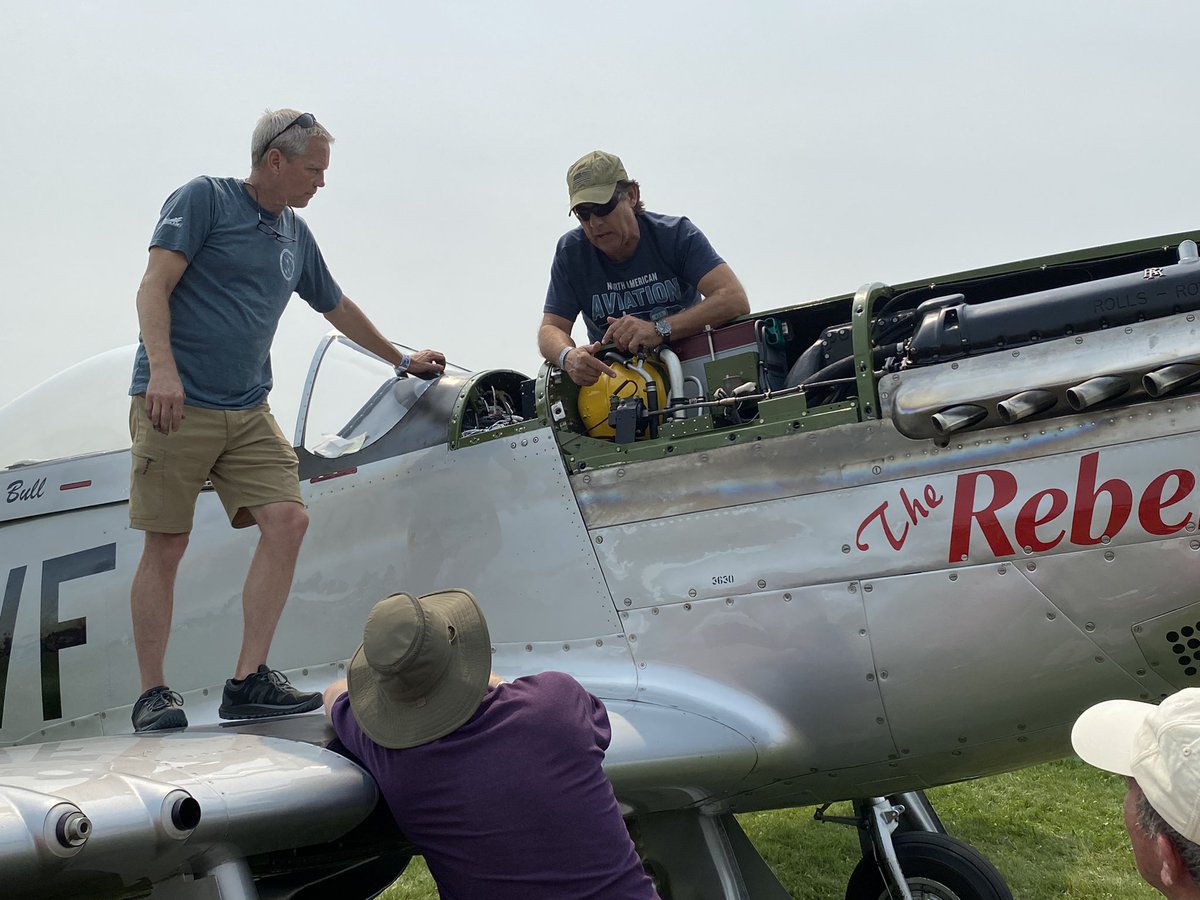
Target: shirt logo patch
{"x": 287, "y": 264}
{"x": 176, "y": 222}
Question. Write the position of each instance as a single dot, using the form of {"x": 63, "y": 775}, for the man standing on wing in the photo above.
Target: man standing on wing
{"x": 225, "y": 258}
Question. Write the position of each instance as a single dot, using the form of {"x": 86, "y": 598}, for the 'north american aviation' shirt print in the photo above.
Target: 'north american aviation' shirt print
{"x": 658, "y": 280}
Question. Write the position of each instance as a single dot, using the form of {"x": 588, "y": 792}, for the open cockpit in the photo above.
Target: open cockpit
{"x": 990, "y": 348}
{"x": 938, "y": 359}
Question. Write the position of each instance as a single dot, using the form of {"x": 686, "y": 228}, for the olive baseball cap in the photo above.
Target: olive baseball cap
{"x": 593, "y": 178}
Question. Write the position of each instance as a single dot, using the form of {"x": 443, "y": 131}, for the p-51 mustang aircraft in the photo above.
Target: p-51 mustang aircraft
{"x": 845, "y": 550}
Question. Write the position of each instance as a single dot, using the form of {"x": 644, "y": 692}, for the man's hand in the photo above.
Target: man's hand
{"x": 164, "y": 392}
{"x": 164, "y": 401}
{"x": 631, "y": 334}
{"x": 331, "y": 694}
{"x": 351, "y": 321}
{"x": 427, "y": 364}
{"x": 582, "y": 366}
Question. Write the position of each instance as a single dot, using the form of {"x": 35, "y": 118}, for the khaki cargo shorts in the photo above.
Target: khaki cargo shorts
{"x": 241, "y": 451}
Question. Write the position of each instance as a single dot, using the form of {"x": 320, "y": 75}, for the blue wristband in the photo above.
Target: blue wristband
{"x": 562, "y": 357}
{"x": 405, "y": 361}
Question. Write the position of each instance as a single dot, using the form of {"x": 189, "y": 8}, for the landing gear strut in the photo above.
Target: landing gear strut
{"x": 908, "y": 856}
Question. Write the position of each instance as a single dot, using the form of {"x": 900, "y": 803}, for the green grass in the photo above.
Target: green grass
{"x": 1053, "y": 831}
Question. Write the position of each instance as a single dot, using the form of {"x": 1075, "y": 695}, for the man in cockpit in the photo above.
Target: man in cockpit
{"x": 639, "y": 278}
{"x": 225, "y": 258}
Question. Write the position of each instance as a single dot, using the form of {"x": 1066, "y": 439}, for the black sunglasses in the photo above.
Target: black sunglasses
{"x": 304, "y": 120}
{"x": 585, "y": 211}
{"x": 268, "y": 229}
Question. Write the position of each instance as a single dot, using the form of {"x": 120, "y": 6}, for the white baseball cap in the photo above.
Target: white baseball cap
{"x": 1157, "y": 745}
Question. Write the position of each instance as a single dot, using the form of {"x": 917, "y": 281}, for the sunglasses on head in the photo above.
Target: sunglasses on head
{"x": 304, "y": 120}
{"x": 585, "y": 211}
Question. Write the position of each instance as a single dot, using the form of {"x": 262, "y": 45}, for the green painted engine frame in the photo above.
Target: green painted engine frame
{"x": 780, "y": 412}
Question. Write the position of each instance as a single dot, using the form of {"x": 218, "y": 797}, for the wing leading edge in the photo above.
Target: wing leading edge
{"x": 102, "y": 815}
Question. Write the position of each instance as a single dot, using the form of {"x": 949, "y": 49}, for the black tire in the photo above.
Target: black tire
{"x": 936, "y": 867}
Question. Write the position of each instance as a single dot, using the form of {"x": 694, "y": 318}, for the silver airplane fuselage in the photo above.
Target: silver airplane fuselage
{"x": 783, "y": 600}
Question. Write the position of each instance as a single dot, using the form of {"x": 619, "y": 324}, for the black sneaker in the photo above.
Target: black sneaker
{"x": 265, "y": 693}
{"x": 158, "y": 709}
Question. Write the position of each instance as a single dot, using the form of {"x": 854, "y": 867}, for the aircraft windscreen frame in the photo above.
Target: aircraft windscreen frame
{"x": 351, "y": 398}
{"x": 341, "y": 371}
{"x": 83, "y": 409}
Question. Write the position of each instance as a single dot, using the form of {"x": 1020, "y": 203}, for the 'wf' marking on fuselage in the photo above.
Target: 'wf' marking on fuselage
{"x": 55, "y": 635}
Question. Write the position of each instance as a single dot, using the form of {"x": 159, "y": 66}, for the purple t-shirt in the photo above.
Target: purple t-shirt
{"x": 513, "y": 805}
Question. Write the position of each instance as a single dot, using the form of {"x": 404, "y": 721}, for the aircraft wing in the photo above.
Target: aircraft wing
{"x": 103, "y": 816}
{"x": 665, "y": 758}
{"x": 108, "y": 815}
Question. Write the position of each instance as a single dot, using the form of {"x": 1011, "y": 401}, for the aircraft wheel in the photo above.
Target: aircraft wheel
{"x": 936, "y": 867}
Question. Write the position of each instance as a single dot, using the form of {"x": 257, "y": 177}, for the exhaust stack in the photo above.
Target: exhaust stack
{"x": 956, "y": 418}
{"x": 1023, "y": 405}
{"x": 1096, "y": 390}
{"x": 1165, "y": 380}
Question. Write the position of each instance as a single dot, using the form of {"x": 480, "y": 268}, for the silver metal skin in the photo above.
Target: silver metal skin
{"x": 144, "y": 795}
{"x": 39, "y": 833}
{"x": 847, "y": 612}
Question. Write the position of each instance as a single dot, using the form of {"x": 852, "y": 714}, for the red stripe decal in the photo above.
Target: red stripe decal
{"x": 75, "y": 484}
{"x": 333, "y": 475}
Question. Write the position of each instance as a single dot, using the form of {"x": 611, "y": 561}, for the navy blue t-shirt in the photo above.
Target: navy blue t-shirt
{"x": 227, "y": 304}
{"x": 660, "y": 278}
{"x": 514, "y": 805}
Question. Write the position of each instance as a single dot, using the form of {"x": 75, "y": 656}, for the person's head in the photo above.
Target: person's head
{"x": 422, "y": 669}
{"x": 1158, "y": 749}
{"x": 289, "y": 153}
{"x": 606, "y": 202}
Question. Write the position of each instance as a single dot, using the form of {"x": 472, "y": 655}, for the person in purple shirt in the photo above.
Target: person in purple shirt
{"x": 498, "y": 784}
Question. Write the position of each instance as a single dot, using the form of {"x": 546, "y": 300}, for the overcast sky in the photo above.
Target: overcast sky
{"x": 819, "y": 145}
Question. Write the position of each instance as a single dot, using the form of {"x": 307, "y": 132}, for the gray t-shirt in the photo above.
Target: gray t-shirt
{"x": 660, "y": 278}
{"x": 226, "y": 307}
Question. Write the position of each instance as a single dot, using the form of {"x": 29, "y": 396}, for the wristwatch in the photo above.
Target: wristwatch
{"x": 663, "y": 327}
{"x": 402, "y": 369}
